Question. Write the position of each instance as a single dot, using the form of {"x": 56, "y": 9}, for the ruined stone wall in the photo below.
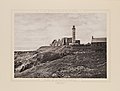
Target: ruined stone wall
{"x": 63, "y": 41}
{"x": 56, "y": 43}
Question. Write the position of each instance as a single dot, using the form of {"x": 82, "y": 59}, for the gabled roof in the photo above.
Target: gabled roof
{"x": 99, "y": 40}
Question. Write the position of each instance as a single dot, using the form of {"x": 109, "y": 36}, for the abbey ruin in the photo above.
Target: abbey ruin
{"x": 67, "y": 41}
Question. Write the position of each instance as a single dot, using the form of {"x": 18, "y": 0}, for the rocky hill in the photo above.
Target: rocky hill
{"x": 60, "y": 62}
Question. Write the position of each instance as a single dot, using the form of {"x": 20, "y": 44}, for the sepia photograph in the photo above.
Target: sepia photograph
{"x": 60, "y": 45}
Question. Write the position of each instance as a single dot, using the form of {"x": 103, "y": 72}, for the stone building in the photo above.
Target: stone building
{"x": 66, "y": 41}
{"x": 99, "y": 44}
{"x": 77, "y": 42}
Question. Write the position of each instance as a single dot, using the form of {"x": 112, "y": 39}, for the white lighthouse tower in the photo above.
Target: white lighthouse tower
{"x": 73, "y": 34}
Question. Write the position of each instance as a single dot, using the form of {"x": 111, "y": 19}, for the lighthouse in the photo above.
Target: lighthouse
{"x": 73, "y": 34}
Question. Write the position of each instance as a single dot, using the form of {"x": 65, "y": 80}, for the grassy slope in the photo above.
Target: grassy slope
{"x": 62, "y": 62}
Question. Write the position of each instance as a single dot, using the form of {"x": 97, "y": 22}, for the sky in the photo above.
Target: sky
{"x": 32, "y": 30}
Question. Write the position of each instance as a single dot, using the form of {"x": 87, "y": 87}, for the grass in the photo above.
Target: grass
{"x": 61, "y": 62}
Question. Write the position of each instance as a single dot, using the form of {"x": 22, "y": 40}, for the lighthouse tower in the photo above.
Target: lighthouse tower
{"x": 73, "y": 34}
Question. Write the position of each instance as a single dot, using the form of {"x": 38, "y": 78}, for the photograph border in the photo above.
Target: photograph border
{"x": 108, "y": 30}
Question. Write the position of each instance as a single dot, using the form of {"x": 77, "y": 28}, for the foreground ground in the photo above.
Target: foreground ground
{"x": 60, "y": 62}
